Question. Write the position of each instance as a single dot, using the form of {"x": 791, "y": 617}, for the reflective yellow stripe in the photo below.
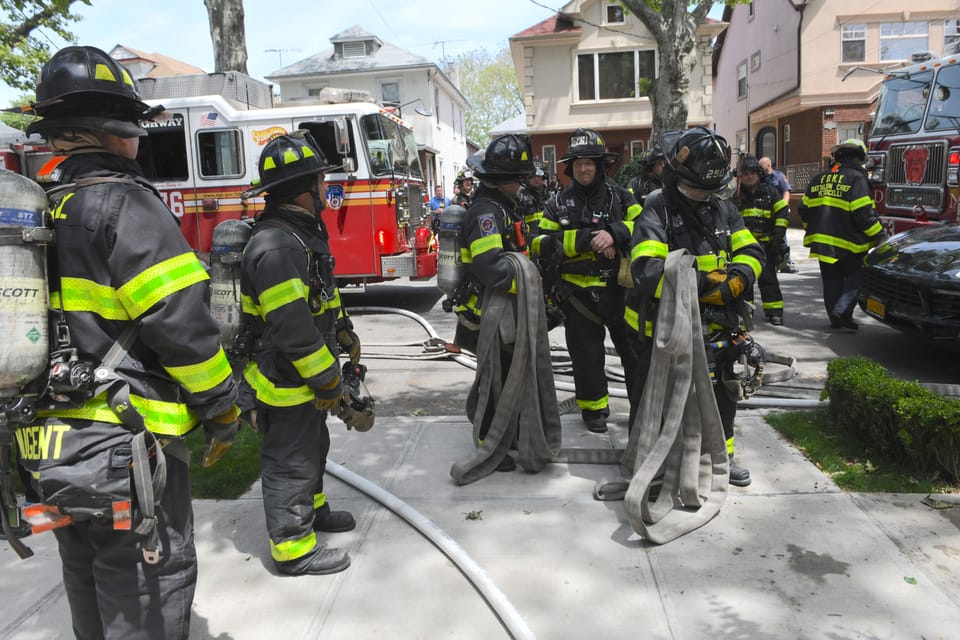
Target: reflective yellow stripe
{"x": 283, "y": 293}
{"x": 751, "y": 262}
{"x": 632, "y": 318}
{"x": 570, "y": 243}
{"x": 275, "y": 396}
{"x": 773, "y": 305}
{"x": 248, "y": 306}
{"x": 293, "y": 549}
{"x": 200, "y": 377}
{"x": 79, "y": 294}
{"x": 730, "y": 446}
{"x": 159, "y": 281}
{"x": 633, "y": 211}
{"x": 649, "y": 249}
{"x": 482, "y": 245}
{"x": 834, "y": 241}
{"x": 741, "y": 239}
{"x": 874, "y": 229}
{"x": 710, "y": 262}
{"x": 593, "y": 405}
{"x": 163, "y": 418}
{"x": 313, "y": 363}
{"x": 548, "y": 224}
{"x": 583, "y": 281}
{"x": 319, "y": 499}
{"x": 838, "y": 203}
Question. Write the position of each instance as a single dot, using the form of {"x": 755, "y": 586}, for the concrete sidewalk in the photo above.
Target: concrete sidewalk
{"x": 790, "y": 556}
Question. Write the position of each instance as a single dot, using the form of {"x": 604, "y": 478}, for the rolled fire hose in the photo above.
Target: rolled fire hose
{"x": 515, "y": 625}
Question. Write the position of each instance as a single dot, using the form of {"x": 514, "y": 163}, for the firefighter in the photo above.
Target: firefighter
{"x": 492, "y": 226}
{"x": 291, "y": 306}
{"x": 591, "y": 223}
{"x": 533, "y": 198}
{"x": 766, "y": 215}
{"x": 121, "y": 262}
{"x": 841, "y": 225}
{"x": 464, "y": 185}
{"x": 693, "y": 211}
{"x": 649, "y": 178}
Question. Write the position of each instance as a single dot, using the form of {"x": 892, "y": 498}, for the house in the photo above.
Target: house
{"x": 151, "y": 65}
{"x": 587, "y": 66}
{"x": 790, "y": 82}
{"x": 422, "y": 93}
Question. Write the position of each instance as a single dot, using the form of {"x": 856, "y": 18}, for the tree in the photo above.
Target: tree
{"x": 22, "y": 53}
{"x": 490, "y": 84}
{"x": 228, "y": 35}
{"x": 673, "y": 24}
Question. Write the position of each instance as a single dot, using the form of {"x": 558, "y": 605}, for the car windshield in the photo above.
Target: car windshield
{"x": 945, "y": 101}
{"x": 902, "y": 103}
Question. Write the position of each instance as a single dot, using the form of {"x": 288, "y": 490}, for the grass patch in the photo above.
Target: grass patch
{"x": 233, "y": 475}
{"x": 850, "y": 463}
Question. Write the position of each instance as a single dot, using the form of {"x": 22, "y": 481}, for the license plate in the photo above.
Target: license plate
{"x": 876, "y": 308}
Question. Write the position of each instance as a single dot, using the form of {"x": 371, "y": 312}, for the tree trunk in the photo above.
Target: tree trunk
{"x": 227, "y": 35}
{"x": 674, "y": 27}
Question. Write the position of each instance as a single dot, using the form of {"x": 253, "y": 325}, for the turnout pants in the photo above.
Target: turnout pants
{"x": 293, "y": 458}
{"x": 585, "y": 338}
{"x": 113, "y": 593}
{"x": 841, "y": 285}
{"x": 769, "y": 283}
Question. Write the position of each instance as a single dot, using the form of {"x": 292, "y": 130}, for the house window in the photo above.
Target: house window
{"x": 550, "y": 159}
{"x": 313, "y": 92}
{"x": 614, "y": 13}
{"x": 436, "y": 104}
{"x": 615, "y": 75}
{"x": 847, "y": 130}
{"x": 741, "y": 145}
{"x": 951, "y": 37}
{"x": 750, "y": 11}
{"x": 390, "y": 93}
{"x": 742, "y": 80}
{"x": 899, "y": 40}
{"x": 853, "y": 43}
{"x": 354, "y": 50}
{"x": 755, "y": 61}
{"x": 767, "y": 143}
{"x": 636, "y": 148}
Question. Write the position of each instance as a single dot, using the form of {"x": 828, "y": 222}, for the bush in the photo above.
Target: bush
{"x": 900, "y": 418}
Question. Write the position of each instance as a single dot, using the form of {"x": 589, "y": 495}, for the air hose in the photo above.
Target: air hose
{"x": 495, "y": 599}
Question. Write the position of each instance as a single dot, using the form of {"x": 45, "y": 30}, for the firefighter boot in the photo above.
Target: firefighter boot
{"x": 329, "y": 521}
{"x": 739, "y": 476}
{"x": 322, "y": 561}
{"x": 596, "y": 421}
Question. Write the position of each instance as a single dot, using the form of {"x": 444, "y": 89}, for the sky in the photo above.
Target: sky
{"x": 281, "y": 32}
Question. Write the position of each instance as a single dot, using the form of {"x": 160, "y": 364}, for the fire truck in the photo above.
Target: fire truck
{"x": 914, "y": 144}
{"x": 201, "y": 153}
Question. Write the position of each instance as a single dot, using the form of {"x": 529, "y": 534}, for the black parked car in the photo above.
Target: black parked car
{"x": 912, "y": 281}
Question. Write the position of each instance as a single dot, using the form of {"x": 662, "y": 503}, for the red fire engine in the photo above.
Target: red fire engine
{"x": 202, "y": 153}
{"x": 915, "y": 145}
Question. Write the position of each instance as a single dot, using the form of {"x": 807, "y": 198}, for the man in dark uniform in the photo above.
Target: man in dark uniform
{"x": 766, "y": 215}
{"x": 841, "y": 225}
{"x": 649, "y": 178}
{"x": 591, "y": 223}
{"x": 124, "y": 274}
{"x": 492, "y": 226}
{"x": 533, "y": 198}
{"x": 464, "y": 184}
{"x": 291, "y": 307}
{"x": 693, "y": 212}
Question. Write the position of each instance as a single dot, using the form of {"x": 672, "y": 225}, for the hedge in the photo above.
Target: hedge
{"x": 899, "y": 417}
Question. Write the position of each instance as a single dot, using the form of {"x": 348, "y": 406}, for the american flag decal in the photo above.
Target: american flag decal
{"x": 208, "y": 119}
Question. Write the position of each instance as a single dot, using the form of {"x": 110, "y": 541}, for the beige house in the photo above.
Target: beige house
{"x": 792, "y": 77}
{"x": 587, "y": 66}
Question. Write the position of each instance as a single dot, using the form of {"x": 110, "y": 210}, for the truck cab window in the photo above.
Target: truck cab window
{"x": 324, "y": 133}
{"x": 220, "y": 153}
{"x": 163, "y": 152}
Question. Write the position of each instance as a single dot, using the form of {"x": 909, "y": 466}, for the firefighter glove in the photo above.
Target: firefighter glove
{"x": 349, "y": 344}
{"x": 220, "y": 432}
{"x": 709, "y": 280}
{"x": 329, "y": 396}
{"x": 725, "y": 293}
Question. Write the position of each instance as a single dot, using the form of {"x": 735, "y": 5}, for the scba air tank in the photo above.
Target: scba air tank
{"x": 450, "y": 269}
{"x": 229, "y": 239}
{"x": 24, "y": 236}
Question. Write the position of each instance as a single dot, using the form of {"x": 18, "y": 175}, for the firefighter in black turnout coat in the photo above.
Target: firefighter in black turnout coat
{"x": 693, "y": 212}
{"x": 589, "y": 227}
{"x": 291, "y": 307}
